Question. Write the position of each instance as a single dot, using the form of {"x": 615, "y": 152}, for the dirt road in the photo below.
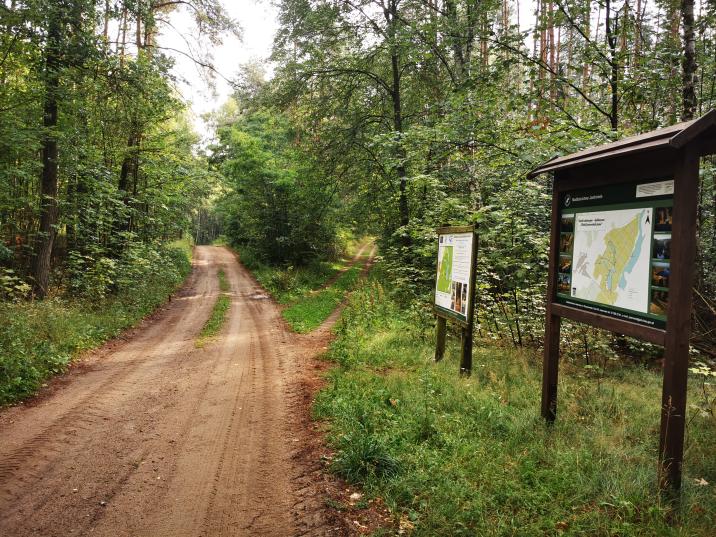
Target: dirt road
{"x": 151, "y": 436}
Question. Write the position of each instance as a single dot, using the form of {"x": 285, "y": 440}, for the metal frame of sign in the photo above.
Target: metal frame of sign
{"x": 443, "y": 314}
{"x": 667, "y": 154}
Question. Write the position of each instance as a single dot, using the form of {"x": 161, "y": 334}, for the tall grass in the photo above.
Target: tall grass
{"x": 38, "y": 339}
{"x": 472, "y": 456}
{"x": 308, "y": 312}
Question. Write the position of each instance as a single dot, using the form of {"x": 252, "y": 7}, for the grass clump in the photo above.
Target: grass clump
{"x": 309, "y": 311}
{"x": 472, "y": 456}
{"x": 218, "y": 314}
{"x": 38, "y": 339}
{"x": 223, "y": 282}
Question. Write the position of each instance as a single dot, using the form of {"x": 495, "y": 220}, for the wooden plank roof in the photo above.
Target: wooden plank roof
{"x": 670, "y": 138}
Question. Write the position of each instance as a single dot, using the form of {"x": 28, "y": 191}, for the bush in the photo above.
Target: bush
{"x": 40, "y": 338}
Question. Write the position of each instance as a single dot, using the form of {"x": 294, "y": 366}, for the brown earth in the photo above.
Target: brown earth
{"x": 151, "y": 436}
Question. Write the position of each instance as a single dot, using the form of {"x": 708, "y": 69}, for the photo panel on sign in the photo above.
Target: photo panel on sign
{"x": 661, "y": 248}
{"x": 660, "y": 274}
{"x": 663, "y": 219}
{"x": 659, "y": 302}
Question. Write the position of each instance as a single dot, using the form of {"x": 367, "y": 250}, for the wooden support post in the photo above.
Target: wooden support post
{"x": 550, "y": 364}
{"x": 441, "y": 333}
{"x": 678, "y": 323}
{"x": 467, "y": 332}
{"x": 466, "y": 352}
{"x": 550, "y": 367}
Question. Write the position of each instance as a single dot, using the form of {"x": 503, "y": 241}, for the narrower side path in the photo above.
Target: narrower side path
{"x": 324, "y": 330}
{"x": 150, "y": 436}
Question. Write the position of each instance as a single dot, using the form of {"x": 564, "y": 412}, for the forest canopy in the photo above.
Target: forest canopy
{"x": 420, "y": 113}
{"x": 386, "y": 117}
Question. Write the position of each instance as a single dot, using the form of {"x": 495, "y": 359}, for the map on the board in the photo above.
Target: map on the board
{"x": 445, "y": 269}
{"x": 610, "y": 263}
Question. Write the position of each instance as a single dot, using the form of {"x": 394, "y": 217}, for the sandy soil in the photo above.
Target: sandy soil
{"x": 150, "y": 436}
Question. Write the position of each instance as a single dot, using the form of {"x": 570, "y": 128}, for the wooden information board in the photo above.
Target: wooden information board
{"x": 622, "y": 256}
{"x": 455, "y": 288}
{"x": 615, "y": 250}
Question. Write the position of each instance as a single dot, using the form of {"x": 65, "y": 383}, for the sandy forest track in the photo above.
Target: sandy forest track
{"x": 151, "y": 436}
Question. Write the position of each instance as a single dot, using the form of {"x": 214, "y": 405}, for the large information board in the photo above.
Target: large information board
{"x": 622, "y": 253}
{"x": 615, "y": 251}
{"x": 453, "y": 291}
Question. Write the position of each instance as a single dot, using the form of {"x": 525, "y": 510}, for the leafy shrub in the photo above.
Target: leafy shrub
{"x": 12, "y": 287}
{"x": 5, "y": 254}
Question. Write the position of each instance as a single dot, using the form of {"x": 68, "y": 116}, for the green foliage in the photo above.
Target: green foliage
{"x": 128, "y": 169}
{"x": 363, "y": 457}
{"x": 704, "y": 401}
{"x": 308, "y": 312}
{"x": 12, "y": 287}
{"x": 288, "y": 283}
{"x": 224, "y": 285}
{"x": 215, "y": 322}
{"x": 274, "y": 206}
{"x": 423, "y": 117}
{"x": 40, "y": 338}
{"x": 472, "y": 456}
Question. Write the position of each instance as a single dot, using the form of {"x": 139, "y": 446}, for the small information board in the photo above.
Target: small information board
{"x": 455, "y": 288}
{"x": 615, "y": 250}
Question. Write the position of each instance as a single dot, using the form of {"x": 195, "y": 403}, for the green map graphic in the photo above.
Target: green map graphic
{"x": 610, "y": 267}
{"x": 445, "y": 271}
{"x": 610, "y": 264}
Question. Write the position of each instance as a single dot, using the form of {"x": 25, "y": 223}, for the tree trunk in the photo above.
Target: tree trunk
{"x": 614, "y": 64}
{"x": 130, "y": 169}
{"x": 48, "y": 185}
{"x": 674, "y": 22}
{"x": 587, "y": 31}
{"x": 637, "y": 35}
{"x": 458, "y": 57}
{"x": 391, "y": 16}
{"x": 398, "y": 126}
{"x": 105, "y": 31}
{"x": 123, "y": 42}
{"x": 138, "y": 34}
{"x": 689, "y": 62}
{"x": 552, "y": 48}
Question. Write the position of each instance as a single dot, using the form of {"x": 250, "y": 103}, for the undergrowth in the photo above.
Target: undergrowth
{"x": 38, "y": 339}
{"x": 287, "y": 284}
{"x": 471, "y": 456}
{"x": 309, "y": 311}
{"x": 312, "y": 292}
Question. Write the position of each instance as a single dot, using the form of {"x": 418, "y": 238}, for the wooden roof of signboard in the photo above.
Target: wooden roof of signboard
{"x": 701, "y": 130}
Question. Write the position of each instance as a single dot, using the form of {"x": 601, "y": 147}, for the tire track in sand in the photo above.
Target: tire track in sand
{"x": 153, "y": 437}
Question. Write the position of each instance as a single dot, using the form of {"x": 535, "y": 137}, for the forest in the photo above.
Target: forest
{"x": 371, "y": 118}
